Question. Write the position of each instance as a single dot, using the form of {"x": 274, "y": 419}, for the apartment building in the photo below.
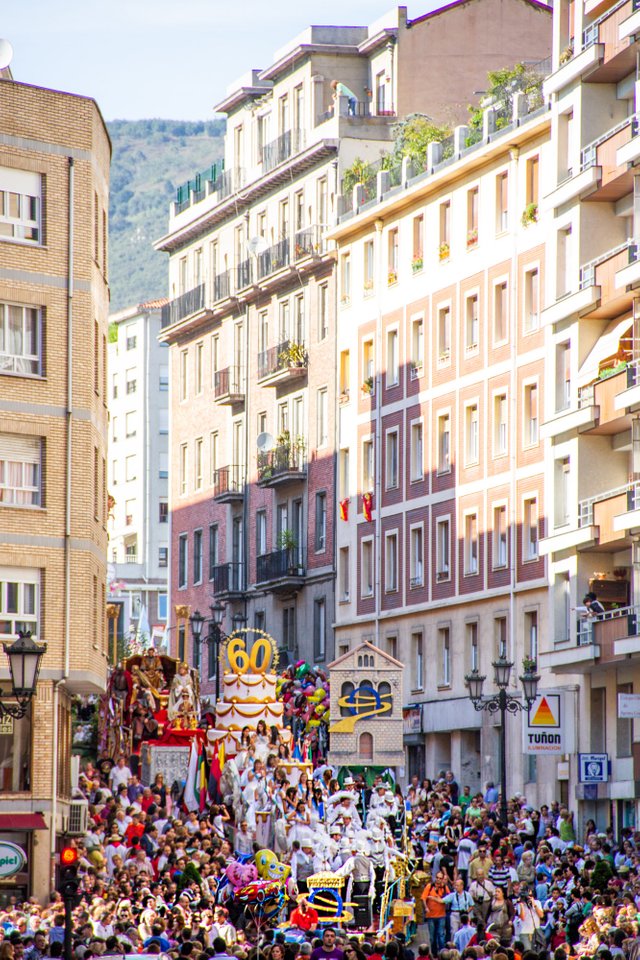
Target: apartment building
{"x": 138, "y": 471}
{"x": 54, "y": 186}
{"x": 440, "y": 461}
{"x": 251, "y": 323}
{"x": 591, "y": 424}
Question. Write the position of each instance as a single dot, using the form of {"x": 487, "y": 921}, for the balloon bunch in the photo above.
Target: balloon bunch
{"x": 304, "y": 691}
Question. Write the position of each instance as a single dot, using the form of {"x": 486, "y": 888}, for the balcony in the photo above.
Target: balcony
{"x": 613, "y": 513}
{"x": 619, "y": 53}
{"x": 611, "y": 273}
{"x": 609, "y": 638}
{"x": 612, "y": 154}
{"x": 287, "y": 361}
{"x": 228, "y": 484}
{"x": 186, "y": 305}
{"x": 307, "y": 243}
{"x": 227, "y": 580}
{"x": 281, "y": 569}
{"x": 282, "y": 465}
{"x": 606, "y": 399}
{"x": 222, "y": 286}
{"x": 244, "y": 274}
{"x": 273, "y": 259}
{"x": 228, "y": 388}
{"x": 280, "y": 149}
{"x": 230, "y": 181}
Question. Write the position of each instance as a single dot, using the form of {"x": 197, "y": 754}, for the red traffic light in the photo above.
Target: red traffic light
{"x": 68, "y": 856}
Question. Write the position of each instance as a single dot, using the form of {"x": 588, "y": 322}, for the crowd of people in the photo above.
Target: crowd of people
{"x": 156, "y": 878}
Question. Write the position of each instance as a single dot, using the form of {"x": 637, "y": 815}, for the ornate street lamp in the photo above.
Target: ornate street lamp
{"x": 24, "y": 656}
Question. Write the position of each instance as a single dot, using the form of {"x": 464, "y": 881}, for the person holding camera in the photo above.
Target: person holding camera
{"x": 531, "y": 917}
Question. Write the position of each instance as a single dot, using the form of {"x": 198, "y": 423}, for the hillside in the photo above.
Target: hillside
{"x": 150, "y": 159}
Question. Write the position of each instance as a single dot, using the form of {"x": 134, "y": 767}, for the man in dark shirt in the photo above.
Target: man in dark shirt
{"x": 328, "y": 950}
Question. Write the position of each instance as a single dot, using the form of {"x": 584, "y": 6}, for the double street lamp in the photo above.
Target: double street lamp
{"x": 24, "y": 656}
{"x": 215, "y": 635}
{"x": 503, "y": 703}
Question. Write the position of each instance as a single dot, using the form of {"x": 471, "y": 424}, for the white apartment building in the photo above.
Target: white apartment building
{"x": 138, "y": 470}
{"x": 591, "y": 418}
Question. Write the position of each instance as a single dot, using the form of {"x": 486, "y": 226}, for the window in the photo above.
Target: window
{"x": 416, "y": 557}
{"x": 345, "y": 278}
{"x": 96, "y": 356}
{"x": 563, "y": 376}
{"x": 129, "y": 511}
{"x": 198, "y": 371}
{"x": 298, "y": 319}
{"x": 500, "y": 312}
{"x": 131, "y": 339}
{"x": 163, "y": 512}
{"x": 197, "y": 556}
{"x": 471, "y": 544}
{"x": 163, "y": 556}
{"x": 472, "y": 330}
{"x": 499, "y": 537}
{"x": 500, "y": 636}
{"x": 530, "y": 414}
{"x": 366, "y": 566}
{"x": 473, "y": 201}
{"x": 531, "y": 634}
{"x": 500, "y": 425}
{"x": 20, "y": 470}
{"x": 321, "y": 522}
{"x": 365, "y": 745}
{"x": 502, "y": 202}
{"x": 391, "y": 562}
{"x": 181, "y": 641}
{"x": 417, "y": 456}
{"x": 368, "y": 366}
{"x": 20, "y": 339}
{"x": 532, "y": 180}
{"x": 444, "y": 334}
{"x": 323, "y": 417}
{"x": 130, "y": 424}
{"x": 564, "y": 258}
{"x": 19, "y": 601}
{"x": 283, "y": 321}
{"x": 392, "y": 255}
{"x": 368, "y": 465}
{"x": 417, "y": 347}
{"x": 624, "y": 727}
{"x": 184, "y": 374}
{"x": 418, "y": 243}
{"x": 445, "y": 230}
{"x": 114, "y": 473}
{"x": 183, "y": 550}
{"x": 345, "y": 376}
{"x": 130, "y": 467}
{"x": 289, "y": 628}
{"x": 213, "y": 454}
{"x": 163, "y": 422}
{"x": 473, "y": 655}
{"x": 530, "y": 540}
{"x": 198, "y": 464}
{"x": 261, "y": 533}
{"x": 162, "y": 606}
{"x": 343, "y": 574}
{"x": 531, "y": 301}
{"x": 472, "y": 448}
{"x": 115, "y": 424}
{"x": 319, "y": 628}
{"x": 131, "y": 381}
{"x": 163, "y": 466}
{"x": 444, "y": 645}
{"x": 417, "y": 646}
{"x": 260, "y": 620}
{"x": 20, "y": 205}
{"x": 443, "y": 549}
{"x": 444, "y": 443}
{"x": 393, "y": 359}
{"x": 184, "y": 467}
{"x": 213, "y": 549}
{"x": 369, "y": 267}
{"x": 114, "y": 386}
{"x": 323, "y": 311}
{"x": 391, "y": 481}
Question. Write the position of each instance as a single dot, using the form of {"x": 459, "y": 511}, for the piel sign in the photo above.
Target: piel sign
{"x": 13, "y": 859}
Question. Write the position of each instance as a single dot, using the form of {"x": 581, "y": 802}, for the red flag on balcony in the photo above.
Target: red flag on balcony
{"x": 344, "y": 509}
{"x": 367, "y": 505}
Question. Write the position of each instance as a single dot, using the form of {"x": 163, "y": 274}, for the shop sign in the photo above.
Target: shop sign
{"x": 543, "y": 726}
{"x": 594, "y": 767}
{"x": 412, "y": 719}
{"x": 6, "y": 726}
{"x": 13, "y": 859}
{"x": 628, "y": 706}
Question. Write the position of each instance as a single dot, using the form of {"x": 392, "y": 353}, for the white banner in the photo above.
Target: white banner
{"x": 628, "y": 705}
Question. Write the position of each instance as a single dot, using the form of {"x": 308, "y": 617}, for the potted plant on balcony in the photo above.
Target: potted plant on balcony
{"x": 367, "y": 385}
{"x": 287, "y": 541}
{"x": 392, "y": 277}
{"x": 472, "y": 237}
{"x": 443, "y": 251}
{"x": 368, "y": 287}
{"x": 530, "y": 214}
{"x": 417, "y": 263}
{"x": 529, "y": 665}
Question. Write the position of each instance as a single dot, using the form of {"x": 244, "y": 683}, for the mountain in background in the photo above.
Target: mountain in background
{"x": 150, "y": 159}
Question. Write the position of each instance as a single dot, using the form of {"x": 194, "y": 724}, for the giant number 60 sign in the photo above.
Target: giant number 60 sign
{"x": 260, "y": 659}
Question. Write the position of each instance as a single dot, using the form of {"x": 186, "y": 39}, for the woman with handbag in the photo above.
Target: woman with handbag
{"x": 531, "y": 917}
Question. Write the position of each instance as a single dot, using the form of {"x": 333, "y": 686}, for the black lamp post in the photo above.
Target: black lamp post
{"x": 503, "y": 703}
{"x": 215, "y": 635}
{"x": 24, "y": 656}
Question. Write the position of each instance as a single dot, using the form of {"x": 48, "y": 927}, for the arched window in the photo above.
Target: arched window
{"x": 384, "y": 692}
{"x": 365, "y": 696}
{"x": 346, "y": 689}
{"x": 360, "y": 659}
{"x": 365, "y": 746}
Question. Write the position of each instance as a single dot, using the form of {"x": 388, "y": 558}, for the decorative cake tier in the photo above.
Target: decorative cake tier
{"x": 236, "y": 716}
{"x": 249, "y": 688}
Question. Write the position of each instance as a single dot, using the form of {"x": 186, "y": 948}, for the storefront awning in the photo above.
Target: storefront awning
{"x": 22, "y": 821}
{"x": 616, "y": 339}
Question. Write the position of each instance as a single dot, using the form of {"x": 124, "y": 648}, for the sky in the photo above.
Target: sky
{"x": 160, "y": 58}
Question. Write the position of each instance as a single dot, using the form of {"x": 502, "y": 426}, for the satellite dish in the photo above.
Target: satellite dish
{"x": 257, "y": 245}
{"x": 265, "y": 442}
{"x": 6, "y": 54}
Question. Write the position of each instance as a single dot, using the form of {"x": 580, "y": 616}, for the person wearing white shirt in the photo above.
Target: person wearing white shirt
{"x": 531, "y": 917}
{"x": 119, "y": 774}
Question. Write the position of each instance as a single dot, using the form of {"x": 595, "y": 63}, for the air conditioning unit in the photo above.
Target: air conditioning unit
{"x": 78, "y": 818}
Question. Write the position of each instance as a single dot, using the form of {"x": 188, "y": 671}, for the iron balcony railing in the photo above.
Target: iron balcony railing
{"x": 281, "y": 149}
{"x": 221, "y": 286}
{"x": 228, "y": 480}
{"x": 285, "y": 458}
{"x": 244, "y": 274}
{"x": 279, "y": 564}
{"x": 229, "y": 182}
{"x": 183, "y": 306}
{"x": 280, "y": 358}
{"x": 273, "y": 258}
{"x": 227, "y": 382}
{"x": 227, "y": 578}
{"x": 307, "y": 243}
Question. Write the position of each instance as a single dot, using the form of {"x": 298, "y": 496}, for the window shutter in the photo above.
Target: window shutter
{"x": 14, "y": 446}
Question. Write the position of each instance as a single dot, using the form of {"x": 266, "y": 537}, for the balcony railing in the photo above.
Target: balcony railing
{"x": 591, "y": 629}
{"x": 589, "y": 154}
{"x": 228, "y": 481}
{"x": 307, "y": 243}
{"x": 183, "y": 306}
{"x": 277, "y": 565}
{"x": 274, "y": 258}
{"x": 281, "y": 149}
{"x": 227, "y": 578}
{"x": 228, "y": 383}
{"x": 131, "y": 558}
{"x": 585, "y": 507}
{"x": 282, "y": 460}
{"x": 280, "y": 358}
{"x": 244, "y": 274}
{"x": 221, "y": 286}
{"x": 588, "y": 270}
{"x": 229, "y": 182}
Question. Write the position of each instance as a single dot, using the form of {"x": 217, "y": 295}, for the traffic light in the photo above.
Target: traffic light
{"x": 69, "y": 882}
